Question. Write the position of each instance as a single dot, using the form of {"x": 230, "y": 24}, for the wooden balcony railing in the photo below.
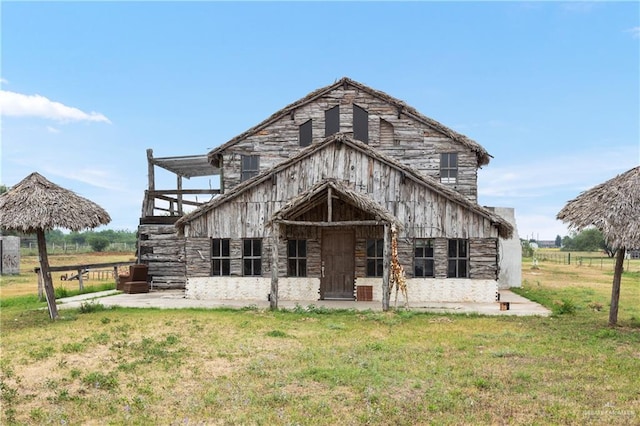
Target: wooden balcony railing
{"x": 172, "y": 202}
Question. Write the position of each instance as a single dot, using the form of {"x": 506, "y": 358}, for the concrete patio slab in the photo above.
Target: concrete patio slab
{"x": 175, "y": 299}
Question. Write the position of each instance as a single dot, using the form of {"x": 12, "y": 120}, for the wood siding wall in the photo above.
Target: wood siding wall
{"x": 400, "y": 137}
{"x": 422, "y": 212}
{"x": 483, "y": 255}
{"x": 483, "y": 258}
{"x": 164, "y": 251}
{"x": 198, "y": 252}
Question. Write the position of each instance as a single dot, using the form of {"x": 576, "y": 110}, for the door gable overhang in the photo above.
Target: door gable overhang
{"x": 327, "y": 194}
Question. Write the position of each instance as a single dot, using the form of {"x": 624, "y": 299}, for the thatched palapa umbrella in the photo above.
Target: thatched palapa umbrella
{"x": 614, "y": 208}
{"x": 36, "y": 205}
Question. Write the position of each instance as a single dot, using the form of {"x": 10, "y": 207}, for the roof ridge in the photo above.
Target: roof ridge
{"x": 481, "y": 154}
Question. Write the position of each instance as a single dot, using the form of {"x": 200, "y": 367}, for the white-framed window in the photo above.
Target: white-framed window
{"x": 252, "y": 257}
{"x": 297, "y": 258}
{"x": 449, "y": 167}
{"x": 458, "y": 258}
{"x": 375, "y": 256}
{"x": 423, "y": 257}
{"x": 250, "y": 167}
{"x": 220, "y": 257}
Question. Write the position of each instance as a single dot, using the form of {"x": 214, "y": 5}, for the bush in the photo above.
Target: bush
{"x": 61, "y": 292}
{"x": 92, "y": 306}
{"x": 566, "y": 306}
{"x": 527, "y": 249}
{"x": 98, "y": 243}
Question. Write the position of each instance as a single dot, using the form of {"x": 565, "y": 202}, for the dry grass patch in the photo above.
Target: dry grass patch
{"x": 27, "y": 281}
{"x": 313, "y": 366}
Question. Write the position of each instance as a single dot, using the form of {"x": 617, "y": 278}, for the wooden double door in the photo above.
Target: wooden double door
{"x": 338, "y": 264}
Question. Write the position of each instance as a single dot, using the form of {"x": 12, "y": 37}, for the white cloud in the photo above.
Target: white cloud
{"x": 4, "y": 81}
{"x": 51, "y": 129}
{"x": 538, "y": 186}
{"x": 547, "y": 173}
{"x": 90, "y": 176}
{"x": 635, "y": 32}
{"x": 543, "y": 227}
{"x": 20, "y": 105}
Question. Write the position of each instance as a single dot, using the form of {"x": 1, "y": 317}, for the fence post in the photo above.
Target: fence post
{"x": 569, "y": 259}
{"x": 40, "y": 282}
{"x": 80, "y": 281}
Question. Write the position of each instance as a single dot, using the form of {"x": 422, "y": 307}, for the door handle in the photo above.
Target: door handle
{"x": 322, "y": 269}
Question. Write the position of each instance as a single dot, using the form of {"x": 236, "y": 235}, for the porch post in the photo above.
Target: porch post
{"x": 273, "y": 295}
{"x": 179, "y": 195}
{"x": 149, "y": 196}
{"x": 386, "y": 267}
{"x": 151, "y": 174}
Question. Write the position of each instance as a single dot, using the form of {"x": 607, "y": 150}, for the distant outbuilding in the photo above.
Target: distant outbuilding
{"x": 9, "y": 255}
{"x": 36, "y": 205}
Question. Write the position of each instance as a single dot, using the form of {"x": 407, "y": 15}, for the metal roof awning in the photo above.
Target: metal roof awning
{"x": 187, "y": 166}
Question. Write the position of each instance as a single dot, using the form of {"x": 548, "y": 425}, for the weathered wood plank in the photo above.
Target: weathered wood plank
{"x": 411, "y": 142}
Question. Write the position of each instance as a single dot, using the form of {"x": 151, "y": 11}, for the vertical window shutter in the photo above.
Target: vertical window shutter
{"x": 360, "y": 124}
{"x": 332, "y": 121}
{"x": 306, "y": 135}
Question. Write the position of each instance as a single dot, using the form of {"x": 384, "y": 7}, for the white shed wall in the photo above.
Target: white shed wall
{"x": 510, "y": 252}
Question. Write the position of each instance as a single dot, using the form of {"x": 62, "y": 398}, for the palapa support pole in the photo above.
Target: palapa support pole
{"x": 615, "y": 289}
{"x": 46, "y": 275}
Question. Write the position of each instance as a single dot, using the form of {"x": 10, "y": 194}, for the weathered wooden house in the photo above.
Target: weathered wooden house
{"x": 309, "y": 199}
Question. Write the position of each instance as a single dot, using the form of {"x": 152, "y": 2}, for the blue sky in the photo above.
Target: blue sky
{"x": 551, "y": 90}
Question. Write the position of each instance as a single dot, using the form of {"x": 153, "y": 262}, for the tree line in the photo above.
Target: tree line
{"x": 590, "y": 239}
{"x": 97, "y": 240}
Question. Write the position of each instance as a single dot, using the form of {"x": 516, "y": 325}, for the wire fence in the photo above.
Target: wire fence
{"x": 580, "y": 259}
{"x": 31, "y": 247}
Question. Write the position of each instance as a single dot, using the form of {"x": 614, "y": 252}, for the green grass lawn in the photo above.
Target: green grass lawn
{"x": 312, "y": 366}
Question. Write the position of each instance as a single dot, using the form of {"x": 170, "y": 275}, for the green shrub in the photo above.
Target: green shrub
{"x": 92, "y": 306}
{"x": 566, "y": 306}
{"x": 100, "y": 380}
{"x": 61, "y": 292}
{"x": 276, "y": 333}
{"x": 98, "y": 242}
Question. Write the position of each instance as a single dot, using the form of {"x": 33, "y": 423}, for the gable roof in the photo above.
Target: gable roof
{"x": 505, "y": 229}
{"x": 481, "y": 154}
{"x": 318, "y": 192}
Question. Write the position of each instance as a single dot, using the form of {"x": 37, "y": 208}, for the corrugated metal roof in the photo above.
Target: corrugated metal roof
{"x": 187, "y": 166}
